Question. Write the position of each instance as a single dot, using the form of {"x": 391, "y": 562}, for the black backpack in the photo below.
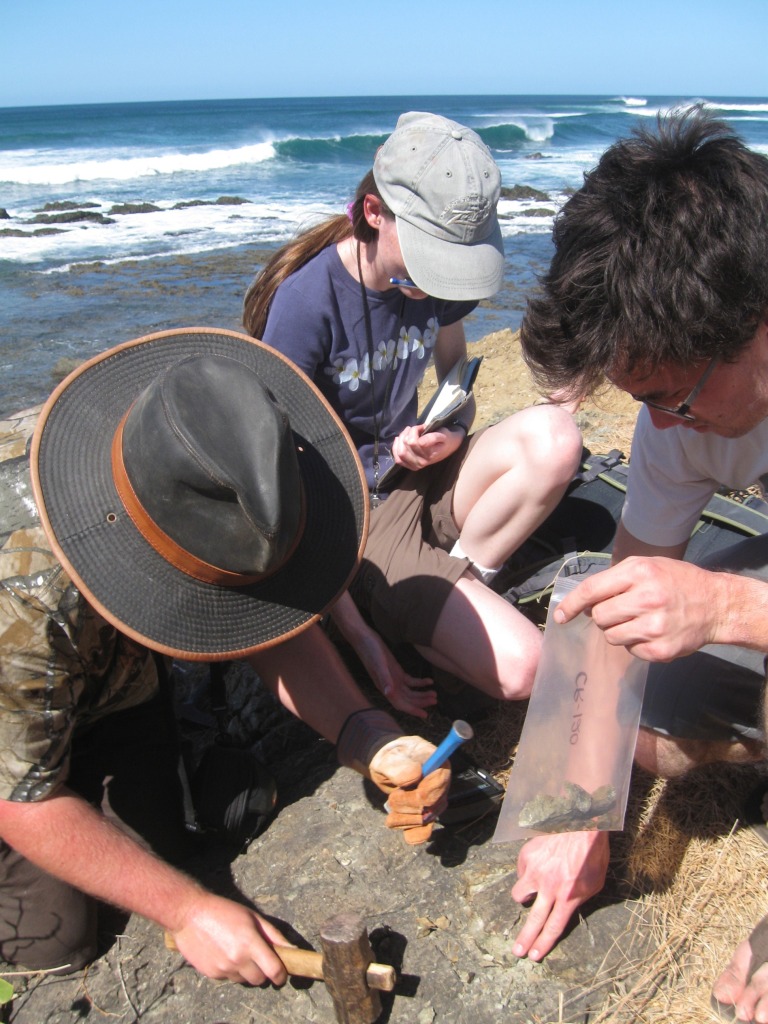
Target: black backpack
{"x": 586, "y": 519}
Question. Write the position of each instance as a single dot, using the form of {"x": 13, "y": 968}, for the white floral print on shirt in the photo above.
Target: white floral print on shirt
{"x": 411, "y": 341}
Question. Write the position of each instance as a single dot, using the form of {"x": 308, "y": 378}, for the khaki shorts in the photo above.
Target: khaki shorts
{"x": 406, "y": 574}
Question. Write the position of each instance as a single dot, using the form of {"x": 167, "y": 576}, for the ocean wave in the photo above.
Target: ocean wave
{"x": 744, "y": 107}
{"x": 330, "y": 149}
{"x": 34, "y": 169}
{"x": 166, "y": 231}
{"x": 533, "y": 128}
{"x": 732, "y": 111}
{"x": 664, "y": 109}
{"x": 629, "y": 100}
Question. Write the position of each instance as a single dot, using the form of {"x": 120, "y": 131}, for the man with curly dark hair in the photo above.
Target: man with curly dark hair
{"x": 659, "y": 286}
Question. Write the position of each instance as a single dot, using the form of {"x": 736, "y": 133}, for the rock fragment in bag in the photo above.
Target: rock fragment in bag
{"x": 571, "y": 811}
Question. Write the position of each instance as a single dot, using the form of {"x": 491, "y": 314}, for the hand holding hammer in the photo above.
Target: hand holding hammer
{"x": 345, "y": 965}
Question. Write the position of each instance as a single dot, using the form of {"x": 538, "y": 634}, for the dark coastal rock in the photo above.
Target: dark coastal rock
{"x": 523, "y": 192}
{"x": 64, "y": 367}
{"x": 66, "y": 204}
{"x": 71, "y": 217}
{"x": 440, "y": 913}
{"x": 121, "y": 208}
{"x": 18, "y": 233}
{"x": 186, "y": 204}
{"x": 4, "y": 215}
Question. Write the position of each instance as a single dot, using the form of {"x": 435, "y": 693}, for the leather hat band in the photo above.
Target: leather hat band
{"x": 164, "y": 545}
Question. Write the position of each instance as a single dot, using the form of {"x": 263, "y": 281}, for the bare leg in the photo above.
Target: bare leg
{"x": 670, "y": 757}
{"x": 513, "y": 478}
{"x": 483, "y": 640}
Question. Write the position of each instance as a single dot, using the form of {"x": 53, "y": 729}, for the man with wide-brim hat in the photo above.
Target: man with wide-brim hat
{"x": 189, "y": 493}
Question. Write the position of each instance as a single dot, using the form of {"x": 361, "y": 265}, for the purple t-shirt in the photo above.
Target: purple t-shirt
{"x": 317, "y": 320}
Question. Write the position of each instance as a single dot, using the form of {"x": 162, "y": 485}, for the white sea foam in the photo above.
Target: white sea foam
{"x": 753, "y": 107}
{"x": 526, "y": 226}
{"x": 166, "y": 232}
{"x": 538, "y": 129}
{"x": 55, "y": 167}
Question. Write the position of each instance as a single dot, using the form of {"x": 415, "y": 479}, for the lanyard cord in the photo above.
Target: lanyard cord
{"x": 375, "y": 499}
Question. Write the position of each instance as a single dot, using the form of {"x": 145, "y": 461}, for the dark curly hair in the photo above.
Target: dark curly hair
{"x": 660, "y": 257}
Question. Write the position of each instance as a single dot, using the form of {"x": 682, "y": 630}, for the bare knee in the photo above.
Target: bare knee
{"x": 518, "y": 670}
{"x": 556, "y": 441}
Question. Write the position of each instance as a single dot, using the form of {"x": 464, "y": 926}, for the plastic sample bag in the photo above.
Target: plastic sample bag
{"x": 574, "y": 761}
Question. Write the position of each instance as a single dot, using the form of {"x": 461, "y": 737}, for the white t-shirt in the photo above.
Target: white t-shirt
{"x": 675, "y": 472}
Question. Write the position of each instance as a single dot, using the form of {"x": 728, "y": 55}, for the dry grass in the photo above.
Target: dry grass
{"x": 704, "y": 883}
{"x": 695, "y": 876}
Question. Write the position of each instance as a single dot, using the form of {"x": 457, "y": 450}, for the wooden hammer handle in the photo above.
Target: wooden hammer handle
{"x": 306, "y": 963}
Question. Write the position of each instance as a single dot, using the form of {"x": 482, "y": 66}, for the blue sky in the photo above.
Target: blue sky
{"x": 83, "y": 51}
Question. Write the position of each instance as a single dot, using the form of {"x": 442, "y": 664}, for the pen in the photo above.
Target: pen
{"x": 403, "y": 282}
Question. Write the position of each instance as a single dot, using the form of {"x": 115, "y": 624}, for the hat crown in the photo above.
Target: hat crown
{"x": 211, "y": 459}
{"x": 440, "y": 177}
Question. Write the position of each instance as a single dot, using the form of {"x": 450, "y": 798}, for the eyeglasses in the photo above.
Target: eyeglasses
{"x": 681, "y": 412}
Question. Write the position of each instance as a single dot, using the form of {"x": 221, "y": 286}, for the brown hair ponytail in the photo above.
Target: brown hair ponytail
{"x": 292, "y": 256}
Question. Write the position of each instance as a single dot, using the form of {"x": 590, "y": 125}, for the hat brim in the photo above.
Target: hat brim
{"x": 123, "y": 576}
{"x": 459, "y": 271}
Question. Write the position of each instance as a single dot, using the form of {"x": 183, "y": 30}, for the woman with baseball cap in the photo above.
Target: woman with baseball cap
{"x": 360, "y": 303}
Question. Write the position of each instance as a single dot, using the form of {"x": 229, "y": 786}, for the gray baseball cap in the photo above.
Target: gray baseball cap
{"x": 442, "y": 184}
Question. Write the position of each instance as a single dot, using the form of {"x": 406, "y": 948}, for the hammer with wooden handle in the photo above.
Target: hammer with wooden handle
{"x": 345, "y": 965}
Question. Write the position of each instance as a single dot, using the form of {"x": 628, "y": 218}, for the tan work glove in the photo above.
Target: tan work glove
{"x": 393, "y": 763}
{"x": 414, "y": 802}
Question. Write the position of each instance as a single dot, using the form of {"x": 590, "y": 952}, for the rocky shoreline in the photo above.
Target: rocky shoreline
{"x": 69, "y": 212}
{"x": 61, "y": 212}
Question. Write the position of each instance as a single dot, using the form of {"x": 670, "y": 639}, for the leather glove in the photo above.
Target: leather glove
{"x": 372, "y": 743}
{"x": 414, "y": 802}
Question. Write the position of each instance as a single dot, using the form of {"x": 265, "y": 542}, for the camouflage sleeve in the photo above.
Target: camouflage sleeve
{"x": 39, "y": 676}
{"x": 61, "y": 665}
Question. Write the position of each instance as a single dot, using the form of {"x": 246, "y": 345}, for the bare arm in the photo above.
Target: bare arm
{"x": 626, "y": 545}
{"x": 66, "y": 837}
{"x": 403, "y": 691}
{"x": 415, "y": 449}
{"x": 311, "y": 680}
{"x": 309, "y": 677}
{"x": 662, "y": 608}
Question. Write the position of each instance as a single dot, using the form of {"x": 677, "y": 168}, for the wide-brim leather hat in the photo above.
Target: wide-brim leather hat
{"x": 200, "y": 492}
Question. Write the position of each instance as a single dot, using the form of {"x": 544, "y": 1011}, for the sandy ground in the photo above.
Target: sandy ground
{"x": 504, "y": 386}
